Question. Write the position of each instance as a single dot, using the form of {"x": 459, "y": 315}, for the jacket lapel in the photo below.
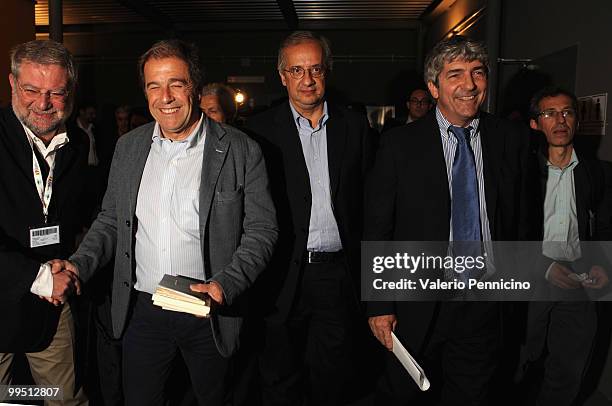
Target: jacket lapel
{"x": 492, "y": 147}
{"x": 438, "y": 188}
{"x": 288, "y": 140}
{"x": 140, "y": 154}
{"x": 17, "y": 142}
{"x": 582, "y": 188}
{"x": 215, "y": 150}
{"x": 336, "y": 140}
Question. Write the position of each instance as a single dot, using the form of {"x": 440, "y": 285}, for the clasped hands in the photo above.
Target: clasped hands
{"x": 560, "y": 276}
{"x": 65, "y": 281}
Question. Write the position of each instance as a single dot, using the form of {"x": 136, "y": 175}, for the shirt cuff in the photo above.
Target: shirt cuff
{"x": 548, "y": 270}
{"x": 43, "y": 284}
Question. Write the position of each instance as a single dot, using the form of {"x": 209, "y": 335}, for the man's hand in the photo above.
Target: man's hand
{"x": 65, "y": 281}
{"x": 214, "y": 290}
{"x": 598, "y": 278}
{"x": 382, "y": 326}
{"x": 559, "y": 276}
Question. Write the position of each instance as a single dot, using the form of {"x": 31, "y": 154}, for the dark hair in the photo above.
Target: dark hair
{"x": 174, "y": 48}
{"x": 44, "y": 52}
{"x": 299, "y": 37}
{"x": 226, "y": 98}
{"x": 451, "y": 49}
{"x": 550, "y": 91}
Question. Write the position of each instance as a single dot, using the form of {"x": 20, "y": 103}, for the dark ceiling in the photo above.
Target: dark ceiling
{"x": 212, "y": 14}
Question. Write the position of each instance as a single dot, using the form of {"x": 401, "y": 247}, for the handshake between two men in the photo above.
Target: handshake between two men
{"x": 66, "y": 282}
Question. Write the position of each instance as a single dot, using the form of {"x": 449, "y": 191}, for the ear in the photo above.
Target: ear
{"x": 433, "y": 89}
{"x": 282, "y": 77}
{"x": 13, "y": 82}
{"x": 534, "y": 125}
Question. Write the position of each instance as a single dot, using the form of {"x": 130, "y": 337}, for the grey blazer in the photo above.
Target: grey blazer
{"x": 238, "y": 227}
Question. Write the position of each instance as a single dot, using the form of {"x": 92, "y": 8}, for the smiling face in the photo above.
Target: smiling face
{"x": 41, "y": 98}
{"x": 170, "y": 95}
{"x": 559, "y": 130}
{"x": 306, "y": 94}
{"x": 461, "y": 90}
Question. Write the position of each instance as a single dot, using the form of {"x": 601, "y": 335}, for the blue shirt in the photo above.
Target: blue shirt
{"x": 323, "y": 232}
{"x": 167, "y": 209}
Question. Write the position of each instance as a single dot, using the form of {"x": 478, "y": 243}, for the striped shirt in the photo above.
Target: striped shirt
{"x": 449, "y": 145}
{"x": 167, "y": 209}
{"x": 561, "y": 240}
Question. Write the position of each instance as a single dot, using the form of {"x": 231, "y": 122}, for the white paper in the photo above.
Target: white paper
{"x": 414, "y": 369}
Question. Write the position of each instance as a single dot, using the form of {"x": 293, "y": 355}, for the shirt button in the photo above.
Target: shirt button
{"x": 127, "y": 254}
{"x": 127, "y": 223}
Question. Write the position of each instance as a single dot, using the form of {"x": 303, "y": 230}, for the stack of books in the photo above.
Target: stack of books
{"x": 173, "y": 293}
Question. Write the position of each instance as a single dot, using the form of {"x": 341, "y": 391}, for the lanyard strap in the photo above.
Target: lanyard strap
{"x": 45, "y": 189}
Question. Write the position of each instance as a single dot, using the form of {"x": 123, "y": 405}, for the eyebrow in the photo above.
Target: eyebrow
{"x": 170, "y": 81}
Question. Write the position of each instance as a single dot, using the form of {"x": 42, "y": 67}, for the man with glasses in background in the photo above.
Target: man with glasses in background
{"x": 569, "y": 202}
{"x": 42, "y": 209}
{"x": 316, "y": 157}
{"x": 418, "y": 105}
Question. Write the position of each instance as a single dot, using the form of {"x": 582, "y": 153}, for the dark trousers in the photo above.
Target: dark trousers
{"x": 566, "y": 330}
{"x": 460, "y": 358}
{"x": 306, "y": 359}
{"x": 150, "y": 344}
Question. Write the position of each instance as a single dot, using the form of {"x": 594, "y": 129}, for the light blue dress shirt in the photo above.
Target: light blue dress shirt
{"x": 561, "y": 239}
{"x": 323, "y": 232}
{"x": 167, "y": 209}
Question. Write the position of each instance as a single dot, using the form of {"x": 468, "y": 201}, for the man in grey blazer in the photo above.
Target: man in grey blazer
{"x": 186, "y": 196}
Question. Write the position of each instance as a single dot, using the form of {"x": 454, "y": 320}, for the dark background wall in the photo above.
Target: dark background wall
{"x": 370, "y": 66}
{"x": 578, "y": 33}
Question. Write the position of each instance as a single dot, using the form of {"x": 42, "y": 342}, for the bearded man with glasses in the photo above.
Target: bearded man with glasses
{"x": 43, "y": 205}
{"x": 316, "y": 157}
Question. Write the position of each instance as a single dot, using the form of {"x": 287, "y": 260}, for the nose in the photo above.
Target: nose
{"x": 559, "y": 117}
{"x": 469, "y": 82}
{"x": 308, "y": 79}
{"x": 43, "y": 102}
{"x": 167, "y": 96}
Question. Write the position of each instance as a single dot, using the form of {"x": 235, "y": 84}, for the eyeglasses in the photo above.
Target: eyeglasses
{"x": 297, "y": 72}
{"x": 566, "y": 113}
{"x": 31, "y": 93}
{"x": 423, "y": 102}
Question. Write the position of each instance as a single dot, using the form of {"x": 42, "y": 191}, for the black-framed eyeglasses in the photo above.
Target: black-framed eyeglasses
{"x": 32, "y": 93}
{"x": 551, "y": 113}
{"x": 297, "y": 72}
{"x": 420, "y": 102}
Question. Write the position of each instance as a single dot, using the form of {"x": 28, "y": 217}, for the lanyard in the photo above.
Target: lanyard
{"x": 45, "y": 189}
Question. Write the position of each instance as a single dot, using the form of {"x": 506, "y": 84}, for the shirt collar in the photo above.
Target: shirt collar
{"x": 59, "y": 140}
{"x": 444, "y": 125}
{"x": 192, "y": 140}
{"x": 301, "y": 120}
{"x": 572, "y": 163}
{"x": 87, "y": 129}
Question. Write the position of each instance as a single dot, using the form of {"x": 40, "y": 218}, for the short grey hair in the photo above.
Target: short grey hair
{"x": 451, "y": 49}
{"x": 300, "y": 37}
{"x": 226, "y": 98}
{"x": 44, "y": 52}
